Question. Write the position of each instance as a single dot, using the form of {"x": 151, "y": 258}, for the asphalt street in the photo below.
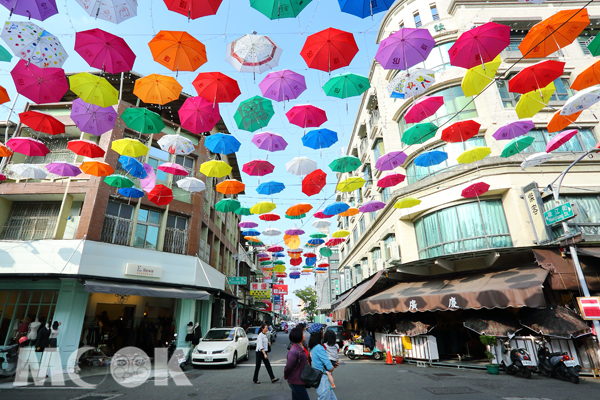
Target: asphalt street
{"x": 355, "y": 380}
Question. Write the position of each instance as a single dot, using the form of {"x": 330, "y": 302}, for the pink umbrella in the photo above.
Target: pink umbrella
{"x": 63, "y": 168}
{"x": 371, "y": 206}
{"x": 558, "y": 139}
{"x": 306, "y": 115}
{"x": 149, "y": 181}
{"x": 40, "y": 85}
{"x": 91, "y": 118}
{"x": 320, "y": 214}
{"x": 2, "y": 177}
{"x": 172, "y": 168}
{"x": 247, "y": 224}
{"x": 294, "y": 231}
{"x": 258, "y": 168}
{"x": 424, "y": 108}
{"x": 269, "y": 141}
{"x": 390, "y": 180}
{"x": 475, "y": 190}
{"x": 104, "y": 51}
{"x": 282, "y": 85}
{"x": 479, "y": 45}
{"x": 199, "y": 115}
{"x": 27, "y": 146}
{"x": 391, "y": 160}
{"x": 405, "y": 48}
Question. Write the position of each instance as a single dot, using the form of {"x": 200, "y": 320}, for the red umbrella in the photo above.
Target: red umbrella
{"x": 42, "y": 122}
{"x": 329, "y": 50}
{"x": 390, "y": 180}
{"x": 479, "y": 45}
{"x": 27, "y": 146}
{"x": 306, "y": 115}
{"x": 296, "y": 261}
{"x": 199, "y": 115}
{"x": 40, "y": 85}
{"x": 275, "y": 249}
{"x": 475, "y": 190}
{"x": 269, "y": 217}
{"x": 264, "y": 259}
{"x": 313, "y": 182}
{"x": 322, "y": 215}
{"x": 194, "y": 8}
{"x": 216, "y": 87}
{"x": 85, "y": 148}
{"x": 323, "y": 265}
{"x": 160, "y": 195}
{"x": 536, "y": 76}
{"x": 309, "y": 255}
{"x": 104, "y": 51}
{"x": 334, "y": 242}
{"x": 258, "y": 168}
{"x": 460, "y": 131}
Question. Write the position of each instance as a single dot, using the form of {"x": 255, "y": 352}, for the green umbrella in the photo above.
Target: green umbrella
{"x": 143, "y": 120}
{"x": 295, "y": 216}
{"x": 255, "y": 244}
{"x": 419, "y": 133}
{"x": 243, "y": 211}
{"x": 265, "y": 262}
{"x": 227, "y": 205}
{"x": 318, "y": 235}
{"x": 119, "y": 181}
{"x": 254, "y": 113}
{"x": 279, "y": 262}
{"x": 594, "y": 46}
{"x": 345, "y": 164}
{"x": 516, "y": 146}
{"x": 277, "y": 9}
{"x": 325, "y": 252}
{"x": 4, "y": 54}
{"x": 346, "y": 85}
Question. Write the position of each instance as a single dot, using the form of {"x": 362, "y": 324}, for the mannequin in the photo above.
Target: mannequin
{"x": 54, "y": 330}
{"x": 197, "y": 334}
{"x": 33, "y": 330}
{"x": 43, "y": 337}
{"x": 190, "y": 332}
{"x": 23, "y": 328}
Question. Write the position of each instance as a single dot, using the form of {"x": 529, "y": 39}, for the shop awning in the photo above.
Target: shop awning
{"x": 92, "y": 286}
{"x": 339, "y": 313}
{"x": 517, "y": 287}
{"x": 562, "y": 271}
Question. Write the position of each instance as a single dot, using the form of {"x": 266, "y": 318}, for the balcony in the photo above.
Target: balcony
{"x": 175, "y": 241}
{"x": 364, "y": 148}
{"x": 116, "y": 230}
{"x": 373, "y": 123}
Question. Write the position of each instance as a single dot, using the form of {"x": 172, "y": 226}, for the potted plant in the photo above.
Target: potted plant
{"x": 400, "y": 358}
{"x": 488, "y": 342}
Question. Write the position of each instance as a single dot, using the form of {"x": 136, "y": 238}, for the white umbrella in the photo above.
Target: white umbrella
{"x": 175, "y": 144}
{"x": 411, "y": 83}
{"x": 29, "y": 171}
{"x": 253, "y": 53}
{"x": 535, "y": 159}
{"x": 582, "y": 100}
{"x": 301, "y": 166}
{"x": 115, "y": 11}
{"x": 321, "y": 223}
{"x": 271, "y": 232}
{"x": 26, "y": 40}
{"x": 191, "y": 184}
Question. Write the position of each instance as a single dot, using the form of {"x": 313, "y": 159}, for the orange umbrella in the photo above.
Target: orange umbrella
{"x": 3, "y": 95}
{"x": 96, "y": 168}
{"x": 5, "y": 151}
{"x": 350, "y": 212}
{"x": 230, "y": 186}
{"x": 298, "y": 209}
{"x": 560, "y": 122}
{"x": 554, "y": 33}
{"x": 252, "y": 239}
{"x": 588, "y": 77}
{"x": 177, "y": 50}
{"x": 291, "y": 241}
{"x": 157, "y": 89}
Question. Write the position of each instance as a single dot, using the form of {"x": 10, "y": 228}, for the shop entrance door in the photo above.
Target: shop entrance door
{"x": 117, "y": 321}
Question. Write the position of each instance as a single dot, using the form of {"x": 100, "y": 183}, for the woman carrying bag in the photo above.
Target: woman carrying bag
{"x": 320, "y": 361}
{"x": 296, "y": 360}
{"x": 262, "y": 347}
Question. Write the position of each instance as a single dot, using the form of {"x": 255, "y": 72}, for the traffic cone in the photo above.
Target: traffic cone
{"x": 388, "y": 359}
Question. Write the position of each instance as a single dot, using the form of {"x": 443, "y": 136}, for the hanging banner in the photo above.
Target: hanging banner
{"x": 280, "y": 289}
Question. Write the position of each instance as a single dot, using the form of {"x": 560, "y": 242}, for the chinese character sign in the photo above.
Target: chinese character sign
{"x": 280, "y": 289}
{"x": 260, "y": 290}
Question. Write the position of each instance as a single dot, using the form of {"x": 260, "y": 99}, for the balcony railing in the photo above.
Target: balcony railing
{"x": 175, "y": 241}
{"x": 373, "y": 122}
{"x": 116, "y": 230}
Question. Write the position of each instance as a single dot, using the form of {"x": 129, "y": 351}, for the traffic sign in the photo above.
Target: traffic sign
{"x": 558, "y": 214}
{"x": 238, "y": 280}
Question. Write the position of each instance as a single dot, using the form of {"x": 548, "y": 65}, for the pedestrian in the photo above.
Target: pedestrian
{"x": 262, "y": 346}
{"x": 332, "y": 347}
{"x": 320, "y": 361}
{"x": 296, "y": 360}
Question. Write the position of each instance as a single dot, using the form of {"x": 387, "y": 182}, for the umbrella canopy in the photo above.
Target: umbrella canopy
{"x": 557, "y": 322}
{"x": 215, "y": 168}
{"x": 318, "y": 235}
{"x": 230, "y": 205}
{"x": 479, "y": 45}
{"x": 346, "y": 85}
{"x": 269, "y": 217}
{"x": 5, "y": 55}
{"x": 517, "y": 145}
{"x": 423, "y": 108}
{"x": 143, "y": 120}
{"x": 85, "y": 148}
{"x": 405, "y": 48}
{"x": 407, "y": 202}
{"x": 177, "y": 50}
{"x": 477, "y": 78}
{"x": 194, "y": 9}
{"x": 63, "y": 168}
{"x": 40, "y": 85}
{"x": 282, "y": 85}
{"x": 271, "y": 232}
{"x": 336, "y": 208}
{"x": 536, "y": 76}
{"x": 278, "y": 9}
{"x": 594, "y": 46}
{"x": 269, "y": 188}
{"x": 559, "y": 139}
{"x": 349, "y": 212}
{"x": 161, "y": 195}
{"x": 314, "y": 182}
{"x": 536, "y": 159}
{"x": 340, "y": 233}
{"x": 133, "y": 167}
{"x": 247, "y": 224}
{"x": 222, "y": 143}
{"x": 500, "y": 324}
{"x": 298, "y": 209}
{"x": 413, "y": 328}
{"x": 559, "y": 122}
{"x": 93, "y": 119}
{"x": 533, "y": 102}
{"x": 129, "y": 147}
{"x": 33, "y": 44}
{"x": 190, "y": 184}
{"x": 581, "y": 101}
{"x": 390, "y": 161}
{"x": 315, "y": 242}
{"x": 133, "y": 192}
{"x": 42, "y": 122}
{"x": 115, "y": 11}
{"x": 588, "y": 77}
{"x": 216, "y": 87}
{"x": 149, "y": 182}
{"x": 253, "y": 53}
{"x": 173, "y": 168}
{"x": 119, "y": 181}
{"x": 36, "y": 9}
{"x": 258, "y": 168}
{"x": 300, "y": 166}
{"x": 429, "y": 158}
{"x": 254, "y": 113}
{"x": 4, "y": 97}
{"x": 460, "y": 131}
{"x": 28, "y": 146}
{"x": 319, "y": 139}
{"x": 230, "y": 186}
{"x": 269, "y": 141}
{"x": 350, "y": 184}
{"x": 5, "y": 151}
{"x": 199, "y": 115}
{"x": 263, "y": 207}
{"x": 321, "y": 224}
{"x": 371, "y": 206}
{"x": 334, "y": 242}
{"x": 419, "y": 133}
{"x": 295, "y": 216}
{"x": 474, "y": 154}
{"x": 96, "y": 168}
{"x": 176, "y": 144}
{"x": 157, "y": 89}
{"x": 511, "y": 130}
{"x": 243, "y": 211}
{"x": 364, "y": 8}
{"x": 294, "y": 231}
{"x": 275, "y": 249}
{"x": 104, "y": 51}
{"x": 329, "y": 49}
{"x": 93, "y": 89}
{"x": 321, "y": 214}
{"x": 345, "y": 164}
{"x": 475, "y": 190}
{"x": 306, "y": 116}
{"x": 29, "y": 171}
{"x": 411, "y": 83}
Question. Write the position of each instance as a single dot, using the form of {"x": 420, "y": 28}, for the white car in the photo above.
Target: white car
{"x": 253, "y": 332}
{"x": 221, "y": 346}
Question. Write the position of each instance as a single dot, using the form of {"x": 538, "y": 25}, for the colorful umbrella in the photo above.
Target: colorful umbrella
{"x": 364, "y": 8}
{"x": 345, "y": 164}
{"x": 316, "y": 242}
{"x": 133, "y": 167}
{"x": 269, "y": 188}
{"x": 247, "y": 224}
{"x": 93, "y": 89}
{"x": 33, "y": 44}
{"x": 346, "y": 85}
{"x": 314, "y": 182}
{"x": 157, "y": 89}
{"x": 173, "y": 169}
{"x": 253, "y": 53}
{"x": 319, "y": 139}
{"x": 119, "y": 181}
{"x": 336, "y": 208}
{"x": 254, "y": 113}
{"x": 40, "y": 85}
{"x": 536, "y": 76}
{"x": 430, "y": 158}
{"x": 29, "y": 171}
{"x": 278, "y": 9}
{"x": 28, "y": 146}
{"x": 93, "y": 119}
{"x": 301, "y": 216}
{"x": 423, "y": 108}
{"x": 194, "y": 9}
{"x": 350, "y": 184}
{"x": 371, "y": 206}
{"x": 334, "y": 242}
{"x": 511, "y": 130}
{"x": 222, "y": 143}
{"x": 559, "y": 139}
{"x": 42, "y": 122}
{"x": 291, "y": 241}
{"x": 199, "y": 115}
{"x": 306, "y": 116}
{"x": 559, "y": 122}
{"x": 230, "y": 186}
{"x": 533, "y": 102}
{"x": 96, "y": 168}
{"x": 85, "y": 148}
{"x": 300, "y": 166}
{"x": 4, "y": 97}
{"x": 581, "y": 101}
{"x": 215, "y": 168}
{"x": 460, "y": 131}
{"x": 271, "y": 232}
{"x": 475, "y": 190}
{"x": 104, "y": 51}
{"x": 408, "y": 84}
{"x": 269, "y": 141}
{"x": 177, "y": 50}
{"x": 5, "y": 55}
{"x": 243, "y": 211}
{"x": 36, "y": 9}
{"x": 405, "y": 48}
{"x": 594, "y": 46}
{"x": 216, "y": 87}
{"x": 230, "y": 205}
{"x": 263, "y": 207}
{"x": 477, "y": 78}
{"x": 329, "y": 49}
{"x": 190, "y": 184}
{"x": 588, "y": 77}
{"x": 407, "y": 202}
{"x": 5, "y": 151}
{"x": 479, "y": 45}
{"x": 536, "y": 159}
{"x": 3, "y": 177}
{"x": 321, "y": 224}
{"x": 391, "y": 160}
{"x": 149, "y": 182}
{"x": 176, "y": 144}
{"x": 474, "y": 154}
{"x": 298, "y": 209}
{"x": 63, "y": 168}
{"x": 269, "y": 217}
{"x": 129, "y": 147}
{"x": 516, "y": 145}
{"x": 115, "y": 11}
{"x": 294, "y": 232}
{"x": 258, "y": 168}
{"x": 318, "y": 235}
{"x": 349, "y": 212}
{"x": 419, "y": 133}
{"x": 161, "y": 195}
{"x": 142, "y": 120}
{"x": 133, "y": 192}
{"x": 282, "y": 85}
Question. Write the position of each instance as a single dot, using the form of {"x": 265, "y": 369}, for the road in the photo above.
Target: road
{"x": 355, "y": 380}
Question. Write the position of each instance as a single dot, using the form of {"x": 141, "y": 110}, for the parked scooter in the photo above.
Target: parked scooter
{"x": 173, "y": 351}
{"x": 557, "y": 364}
{"x": 347, "y": 344}
{"x": 521, "y": 363}
{"x": 12, "y": 360}
{"x": 357, "y": 351}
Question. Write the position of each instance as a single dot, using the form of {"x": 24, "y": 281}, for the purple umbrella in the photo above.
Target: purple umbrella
{"x": 269, "y": 141}
{"x": 149, "y": 181}
{"x": 91, "y": 118}
{"x": 262, "y": 255}
{"x": 391, "y": 160}
{"x": 62, "y": 168}
{"x": 294, "y": 232}
{"x": 247, "y": 224}
{"x": 371, "y": 206}
{"x": 511, "y": 130}
{"x": 405, "y": 48}
{"x": 282, "y": 85}
{"x": 36, "y": 9}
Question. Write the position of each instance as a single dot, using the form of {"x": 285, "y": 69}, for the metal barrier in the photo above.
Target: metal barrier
{"x": 424, "y": 347}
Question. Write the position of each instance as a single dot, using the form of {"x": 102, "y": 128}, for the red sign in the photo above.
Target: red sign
{"x": 590, "y": 307}
{"x": 259, "y": 286}
{"x": 280, "y": 289}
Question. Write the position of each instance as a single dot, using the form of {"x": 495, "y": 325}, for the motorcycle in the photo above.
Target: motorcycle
{"x": 357, "y": 351}
{"x": 520, "y": 361}
{"x": 346, "y": 345}
{"x": 557, "y": 364}
{"x": 173, "y": 351}
{"x": 12, "y": 360}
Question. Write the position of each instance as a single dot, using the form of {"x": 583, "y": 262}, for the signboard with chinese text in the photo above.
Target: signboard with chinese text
{"x": 558, "y": 214}
{"x": 280, "y": 289}
{"x": 535, "y": 206}
{"x": 590, "y": 307}
{"x": 238, "y": 280}
{"x": 260, "y": 290}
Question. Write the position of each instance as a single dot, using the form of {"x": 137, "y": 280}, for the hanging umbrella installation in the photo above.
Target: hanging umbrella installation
{"x": 559, "y": 122}
{"x": 216, "y": 87}
{"x": 430, "y": 158}
{"x": 199, "y": 115}
{"x": 28, "y": 146}
{"x": 364, "y": 8}
{"x": 282, "y": 85}
{"x": 346, "y": 85}
{"x": 133, "y": 167}
{"x": 536, "y": 159}
{"x": 581, "y": 101}
{"x": 278, "y": 9}
{"x": 460, "y": 131}
{"x": 29, "y": 171}
{"x": 419, "y": 133}
{"x": 270, "y": 188}
{"x": 407, "y": 202}
{"x": 160, "y": 195}
{"x": 371, "y": 206}
{"x": 533, "y": 102}
{"x": 96, "y": 168}
{"x": 178, "y": 51}
{"x": 190, "y": 184}
{"x": 479, "y": 45}
{"x": 40, "y": 85}
{"x": 319, "y": 139}
{"x": 405, "y": 48}
{"x": 300, "y": 166}
{"x": 193, "y": 9}
{"x": 588, "y": 77}
{"x": 345, "y": 164}
{"x": 254, "y": 113}
{"x": 62, "y": 168}
{"x": 222, "y": 143}
{"x": 390, "y": 161}
{"x": 173, "y": 169}
{"x": 115, "y": 11}
{"x": 35, "y": 9}
{"x": 129, "y": 147}
{"x": 85, "y": 148}
{"x": 133, "y": 193}
{"x": 247, "y": 224}
{"x": 157, "y": 89}
{"x": 269, "y": 141}
{"x": 258, "y": 168}
{"x": 269, "y": 217}
{"x": 176, "y": 144}
{"x": 536, "y": 76}
{"x": 215, "y": 169}
{"x": 243, "y": 211}
{"x": 142, "y": 120}
{"x": 350, "y": 212}
{"x": 5, "y": 151}
{"x": 298, "y": 209}
{"x": 329, "y": 49}
{"x": 475, "y": 190}
{"x": 351, "y": 184}
{"x": 479, "y": 77}
{"x": 425, "y": 107}
{"x": 230, "y": 205}
{"x": 306, "y": 116}
{"x": 4, "y": 97}
{"x": 516, "y": 146}
{"x": 93, "y": 119}
{"x": 105, "y": 51}
{"x": 336, "y": 208}
{"x": 253, "y": 53}
{"x": 408, "y": 84}
{"x": 93, "y": 89}
{"x": 559, "y": 139}
{"x": 119, "y": 181}
{"x": 511, "y": 130}
{"x": 42, "y": 122}
{"x": 321, "y": 224}
{"x": 263, "y": 207}
{"x": 314, "y": 182}
{"x": 33, "y": 44}
{"x": 474, "y": 154}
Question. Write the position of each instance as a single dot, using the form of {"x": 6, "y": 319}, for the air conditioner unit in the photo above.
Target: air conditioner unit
{"x": 379, "y": 265}
{"x": 394, "y": 252}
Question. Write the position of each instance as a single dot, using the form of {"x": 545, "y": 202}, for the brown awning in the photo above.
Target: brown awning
{"x": 562, "y": 271}
{"x": 517, "y": 287}
{"x": 339, "y": 313}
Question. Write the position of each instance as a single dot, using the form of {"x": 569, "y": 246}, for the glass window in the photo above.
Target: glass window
{"x": 385, "y": 194}
{"x": 401, "y": 24}
{"x": 467, "y": 227}
{"x": 367, "y": 174}
{"x": 434, "y": 12}
{"x": 584, "y": 40}
{"x": 418, "y": 22}
{"x": 158, "y": 157}
{"x": 588, "y": 219}
{"x": 510, "y": 100}
{"x": 359, "y": 198}
{"x": 355, "y": 235}
{"x": 378, "y": 149}
{"x": 15, "y": 305}
{"x": 146, "y": 231}
{"x": 583, "y": 141}
{"x": 515, "y": 41}
{"x": 388, "y": 240}
{"x": 362, "y": 225}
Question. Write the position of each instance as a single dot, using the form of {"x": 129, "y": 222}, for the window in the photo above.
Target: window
{"x": 515, "y": 41}
{"x": 434, "y": 12}
{"x": 588, "y": 220}
{"x": 176, "y": 234}
{"x": 467, "y": 227}
{"x": 378, "y": 149}
{"x": 367, "y": 174}
{"x": 418, "y": 22}
{"x": 361, "y": 224}
{"x": 357, "y": 274}
{"x": 58, "y": 151}
{"x": 415, "y": 173}
{"x": 375, "y": 255}
{"x": 334, "y": 262}
{"x": 364, "y": 266}
{"x": 385, "y": 194}
{"x": 583, "y": 141}
{"x": 156, "y": 158}
{"x": 584, "y": 40}
{"x": 359, "y": 198}
{"x": 146, "y": 230}
{"x": 355, "y": 236}
{"x": 117, "y": 223}
{"x": 345, "y": 222}
{"x": 401, "y": 24}
{"x": 186, "y": 162}
{"x": 32, "y": 221}
{"x": 389, "y": 240}
{"x": 438, "y": 60}
{"x": 510, "y": 100}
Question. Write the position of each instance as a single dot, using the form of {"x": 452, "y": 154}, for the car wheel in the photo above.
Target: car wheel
{"x": 234, "y": 360}
{"x": 247, "y": 357}
{"x": 196, "y": 366}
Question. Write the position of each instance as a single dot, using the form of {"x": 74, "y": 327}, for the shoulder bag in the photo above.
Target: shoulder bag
{"x": 311, "y": 376}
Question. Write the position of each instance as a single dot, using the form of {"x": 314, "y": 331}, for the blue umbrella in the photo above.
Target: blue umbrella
{"x": 319, "y": 139}
{"x": 251, "y": 232}
{"x": 364, "y": 8}
{"x": 222, "y": 143}
{"x": 133, "y": 193}
{"x": 336, "y": 208}
{"x": 270, "y": 187}
{"x": 311, "y": 261}
{"x": 430, "y": 158}
{"x": 133, "y": 167}
{"x": 278, "y": 255}
{"x": 316, "y": 242}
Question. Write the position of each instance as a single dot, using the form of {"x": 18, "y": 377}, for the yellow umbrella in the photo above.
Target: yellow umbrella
{"x": 129, "y": 147}
{"x": 407, "y": 202}
{"x": 262, "y": 207}
{"x": 474, "y": 154}
{"x": 340, "y": 234}
{"x": 93, "y": 89}
{"x": 533, "y": 102}
{"x": 216, "y": 169}
{"x": 350, "y": 184}
{"x": 477, "y": 78}
{"x": 349, "y": 212}
{"x": 279, "y": 268}
{"x": 292, "y": 241}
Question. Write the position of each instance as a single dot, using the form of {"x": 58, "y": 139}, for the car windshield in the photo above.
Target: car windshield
{"x": 220, "y": 334}
{"x": 252, "y": 330}
{"x": 335, "y": 328}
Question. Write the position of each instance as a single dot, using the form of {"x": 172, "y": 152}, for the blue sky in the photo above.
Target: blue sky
{"x": 234, "y": 19}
